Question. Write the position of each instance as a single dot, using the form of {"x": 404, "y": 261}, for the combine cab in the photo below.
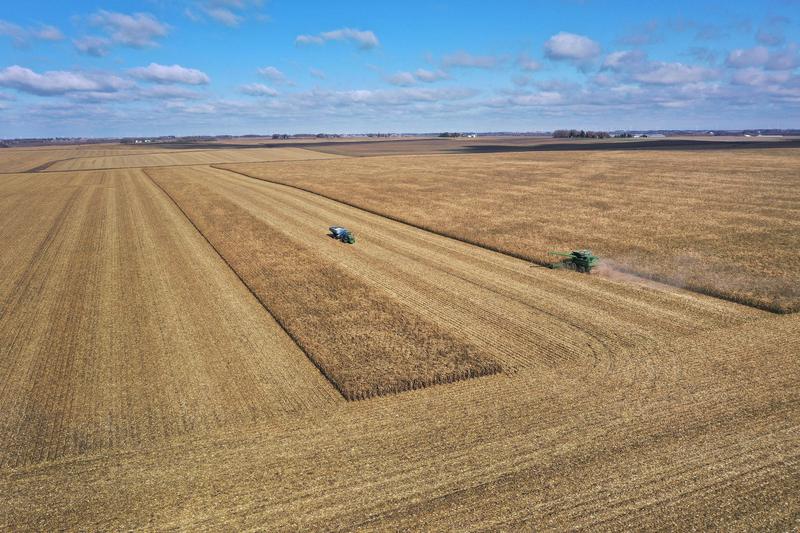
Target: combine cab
{"x": 579, "y": 260}
{"x": 342, "y": 234}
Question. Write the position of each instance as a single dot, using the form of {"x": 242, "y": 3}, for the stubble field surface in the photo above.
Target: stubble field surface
{"x": 177, "y": 344}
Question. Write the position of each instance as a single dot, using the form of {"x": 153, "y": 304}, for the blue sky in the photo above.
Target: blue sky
{"x": 158, "y": 67}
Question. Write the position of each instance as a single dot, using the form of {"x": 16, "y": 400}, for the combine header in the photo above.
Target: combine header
{"x": 342, "y": 234}
{"x": 579, "y": 260}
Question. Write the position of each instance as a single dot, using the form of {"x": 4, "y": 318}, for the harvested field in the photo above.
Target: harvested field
{"x": 14, "y": 160}
{"x": 714, "y": 222}
{"x": 360, "y": 339}
{"x": 119, "y": 324}
{"x": 19, "y": 160}
{"x": 165, "y": 343}
{"x": 187, "y": 157}
{"x": 713, "y": 444}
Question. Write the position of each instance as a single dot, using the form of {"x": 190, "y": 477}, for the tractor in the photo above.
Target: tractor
{"x": 342, "y": 234}
{"x": 579, "y": 260}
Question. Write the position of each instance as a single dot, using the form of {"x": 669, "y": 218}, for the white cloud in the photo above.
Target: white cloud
{"x": 273, "y": 74}
{"x": 383, "y": 97}
{"x": 402, "y": 79}
{"x": 170, "y": 74}
{"x": 542, "y": 98}
{"x": 521, "y": 80}
{"x": 225, "y": 16}
{"x": 58, "y": 82}
{"x": 92, "y": 46}
{"x": 309, "y": 39}
{"x": 571, "y": 47}
{"x": 642, "y": 34}
{"x": 317, "y": 73}
{"x": 660, "y": 73}
{"x": 258, "y": 89}
{"x": 21, "y": 36}
{"x": 228, "y": 12}
{"x": 17, "y": 33}
{"x": 48, "y": 33}
{"x": 430, "y": 76}
{"x": 773, "y": 32}
{"x": 161, "y": 93}
{"x": 786, "y": 59}
{"x": 623, "y": 60}
{"x": 365, "y": 39}
{"x": 526, "y": 62}
{"x": 192, "y": 15}
{"x": 138, "y": 30}
{"x": 169, "y": 92}
{"x": 466, "y": 60}
{"x": 756, "y": 77}
{"x": 761, "y": 56}
{"x": 743, "y": 58}
{"x": 407, "y": 79}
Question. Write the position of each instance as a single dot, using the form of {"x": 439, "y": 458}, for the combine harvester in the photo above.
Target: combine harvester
{"x": 579, "y": 260}
{"x": 342, "y": 234}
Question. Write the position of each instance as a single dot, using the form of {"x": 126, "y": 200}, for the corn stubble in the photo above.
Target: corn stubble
{"x": 721, "y": 223}
{"x": 120, "y": 325}
{"x": 360, "y": 339}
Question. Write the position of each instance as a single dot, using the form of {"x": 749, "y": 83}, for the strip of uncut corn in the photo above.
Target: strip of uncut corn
{"x": 359, "y": 338}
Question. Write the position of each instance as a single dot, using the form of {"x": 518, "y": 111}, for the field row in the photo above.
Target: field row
{"x": 715, "y": 222}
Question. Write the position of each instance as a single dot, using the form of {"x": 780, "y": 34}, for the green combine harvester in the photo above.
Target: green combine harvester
{"x": 579, "y": 260}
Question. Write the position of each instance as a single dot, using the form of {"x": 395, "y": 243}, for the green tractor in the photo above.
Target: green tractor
{"x": 579, "y": 260}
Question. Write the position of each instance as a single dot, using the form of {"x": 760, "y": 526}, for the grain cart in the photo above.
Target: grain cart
{"x": 342, "y": 234}
{"x": 580, "y": 260}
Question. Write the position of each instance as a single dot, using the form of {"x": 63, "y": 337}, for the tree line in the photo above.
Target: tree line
{"x": 580, "y": 134}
